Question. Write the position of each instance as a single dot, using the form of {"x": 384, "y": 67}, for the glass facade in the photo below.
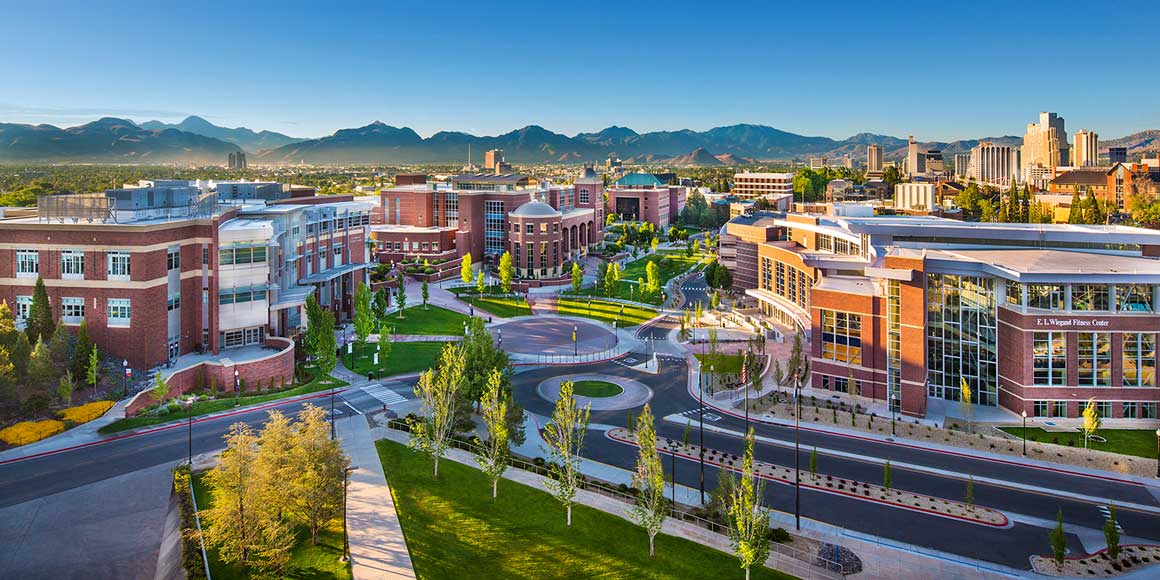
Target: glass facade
{"x": 1095, "y": 359}
{"x": 1049, "y": 350}
{"x": 493, "y": 227}
{"x": 961, "y": 337}
{"x": 450, "y": 209}
{"x": 894, "y": 344}
{"x": 842, "y": 337}
{"x": 1139, "y": 359}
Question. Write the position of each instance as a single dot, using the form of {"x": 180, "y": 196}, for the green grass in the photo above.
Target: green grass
{"x": 670, "y": 264}
{"x": 432, "y": 321}
{"x": 595, "y": 388}
{"x": 722, "y": 363}
{"x": 223, "y": 403}
{"x": 307, "y": 561}
{"x": 404, "y": 358}
{"x": 505, "y": 307}
{"x": 1138, "y": 442}
{"x": 452, "y": 526}
{"x": 605, "y": 312}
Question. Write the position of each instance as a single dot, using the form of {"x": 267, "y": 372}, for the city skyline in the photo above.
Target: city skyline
{"x": 410, "y": 69}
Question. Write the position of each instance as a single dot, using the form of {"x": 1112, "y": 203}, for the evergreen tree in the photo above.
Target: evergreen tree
{"x": 40, "y": 366}
{"x": 21, "y": 355}
{"x": 58, "y": 345}
{"x": 1093, "y": 212}
{"x": 1076, "y": 214}
{"x": 1058, "y": 540}
{"x": 1112, "y": 532}
{"x": 39, "y": 325}
{"x": 1025, "y": 205}
{"x": 64, "y": 388}
{"x": 81, "y": 349}
{"x": 1004, "y": 210}
{"x": 425, "y": 293}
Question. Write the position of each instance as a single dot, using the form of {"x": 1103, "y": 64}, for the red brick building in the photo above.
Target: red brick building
{"x": 645, "y": 197}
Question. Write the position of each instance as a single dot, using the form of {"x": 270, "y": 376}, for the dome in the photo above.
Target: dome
{"x": 588, "y": 173}
{"x": 536, "y": 209}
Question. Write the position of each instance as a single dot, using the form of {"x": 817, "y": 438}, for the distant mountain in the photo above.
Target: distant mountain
{"x": 108, "y": 140}
{"x": 248, "y": 140}
{"x": 1137, "y": 143}
{"x": 734, "y": 160}
{"x": 699, "y": 156}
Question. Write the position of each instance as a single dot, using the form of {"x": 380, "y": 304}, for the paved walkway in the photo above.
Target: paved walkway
{"x": 378, "y": 549}
{"x": 78, "y": 435}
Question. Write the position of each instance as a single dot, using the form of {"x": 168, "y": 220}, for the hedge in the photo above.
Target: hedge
{"x": 27, "y": 432}
{"x": 191, "y": 558}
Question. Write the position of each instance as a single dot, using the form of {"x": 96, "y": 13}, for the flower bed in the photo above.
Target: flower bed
{"x": 1100, "y": 564}
{"x": 827, "y": 483}
{"x": 86, "y": 412}
{"x": 27, "y": 432}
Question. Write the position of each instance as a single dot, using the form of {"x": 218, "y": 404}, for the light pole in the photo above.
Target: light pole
{"x": 893, "y": 413}
{"x": 237, "y": 387}
{"x": 189, "y": 411}
{"x": 1158, "y": 453}
{"x": 701, "y": 431}
{"x": 345, "y": 537}
{"x": 797, "y": 454}
{"x": 125, "y": 377}
{"x": 575, "y": 345}
{"x": 1024, "y": 413}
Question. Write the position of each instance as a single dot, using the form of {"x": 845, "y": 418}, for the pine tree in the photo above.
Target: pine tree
{"x": 64, "y": 388}
{"x": 649, "y": 478}
{"x": 21, "y": 355}
{"x": 1025, "y": 205}
{"x": 40, "y": 366}
{"x": 1058, "y": 540}
{"x": 58, "y": 345}
{"x": 1076, "y": 214}
{"x": 81, "y": 349}
{"x": 564, "y": 435}
{"x": 39, "y": 325}
{"x": 1094, "y": 213}
{"x": 425, "y": 293}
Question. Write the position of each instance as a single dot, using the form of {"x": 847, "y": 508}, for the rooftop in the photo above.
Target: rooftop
{"x": 535, "y": 209}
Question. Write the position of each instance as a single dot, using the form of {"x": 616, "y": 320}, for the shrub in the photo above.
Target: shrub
{"x": 779, "y": 535}
{"x": 161, "y": 411}
{"x": 85, "y": 413}
{"x": 36, "y": 404}
{"x": 27, "y": 432}
{"x": 190, "y": 548}
{"x": 174, "y": 407}
{"x": 428, "y": 270}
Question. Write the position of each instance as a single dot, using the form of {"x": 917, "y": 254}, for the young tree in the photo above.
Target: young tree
{"x": 381, "y": 303}
{"x": 59, "y": 343}
{"x": 697, "y": 313}
{"x": 364, "y": 316}
{"x": 1075, "y": 214}
{"x": 714, "y": 300}
{"x": 965, "y": 400}
{"x": 652, "y": 277}
{"x": 233, "y": 524}
{"x": 437, "y": 391}
{"x": 969, "y": 496}
{"x": 64, "y": 388}
{"x": 601, "y": 276}
{"x": 465, "y": 272}
{"x": 814, "y": 463}
{"x": 401, "y": 295}
{"x": 21, "y": 354}
{"x": 318, "y": 463}
{"x": 1058, "y": 540}
{"x": 494, "y": 459}
{"x": 507, "y": 272}
{"x": 480, "y": 284}
{"x": 577, "y": 277}
{"x": 748, "y": 520}
{"x": 1091, "y": 421}
{"x": 887, "y": 479}
{"x": 425, "y": 292}
{"x": 314, "y": 330}
{"x": 565, "y": 438}
{"x": 39, "y": 325}
{"x": 40, "y": 367}
{"x": 7, "y": 377}
{"x": 1112, "y": 532}
{"x": 326, "y": 345}
{"x": 160, "y": 388}
{"x": 649, "y": 478}
{"x": 81, "y": 349}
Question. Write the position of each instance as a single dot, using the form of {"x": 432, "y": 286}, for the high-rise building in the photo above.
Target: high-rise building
{"x": 962, "y": 164}
{"x": 992, "y": 164}
{"x": 874, "y": 158}
{"x": 915, "y": 160}
{"x": 933, "y": 161}
{"x": 1045, "y": 144}
{"x": 817, "y": 162}
{"x": 237, "y": 160}
{"x": 1087, "y": 146}
{"x": 1117, "y": 155}
{"x": 847, "y": 162}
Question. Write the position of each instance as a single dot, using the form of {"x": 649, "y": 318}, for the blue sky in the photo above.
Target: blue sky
{"x": 939, "y": 70}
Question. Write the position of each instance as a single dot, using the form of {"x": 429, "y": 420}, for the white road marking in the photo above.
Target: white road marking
{"x": 384, "y": 394}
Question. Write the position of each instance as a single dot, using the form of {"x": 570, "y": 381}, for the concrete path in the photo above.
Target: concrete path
{"x": 378, "y": 549}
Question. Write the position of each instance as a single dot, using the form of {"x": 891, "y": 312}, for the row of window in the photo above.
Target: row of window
{"x": 72, "y": 264}
{"x": 1049, "y": 351}
{"x": 411, "y": 246}
{"x": 842, "y": 337}
{"x": 241, "y": 294}
{"x": 1128, "y": 409}
{"x": 1083, "y": 297}
{"x": 531, "y": 228}
{"x": 353, "y": 221}
{"x": 242, "y": 254}
{"x": 119, "y": 310}
{"x": 838, "y": 245}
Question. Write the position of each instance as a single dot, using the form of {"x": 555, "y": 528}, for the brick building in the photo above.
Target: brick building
{"x": 1035, "y": 318}
{"x": 168, "y": 268}
{"x": 1116, "y": 184}
{"x": 647, "y": 197}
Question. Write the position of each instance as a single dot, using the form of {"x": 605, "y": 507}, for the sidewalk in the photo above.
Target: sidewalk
{"x": 79, "y": 435}
{"x": 378, "y": 549}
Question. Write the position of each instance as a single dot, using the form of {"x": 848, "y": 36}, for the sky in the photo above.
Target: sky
{"x": 937, "y": 70}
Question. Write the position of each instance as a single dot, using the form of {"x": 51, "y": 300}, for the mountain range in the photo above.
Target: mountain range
{"x": 195, "y": 140}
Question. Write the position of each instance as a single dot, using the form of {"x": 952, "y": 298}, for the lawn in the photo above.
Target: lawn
{"x": 432, "y": 321}
{"x": 605, "y": 311}
{"x": 670, "y": 263}
{"x": 223, "y": 403}
{"x": 452, "y": 526}
{"x": 1138, "y": 442}
{"x": 404, "y": 358}
{"x": 307, "y": 561}
{"x": 595, "y": 388}
{"x": 504, "y": 307}
{"x": 722, "y": 363}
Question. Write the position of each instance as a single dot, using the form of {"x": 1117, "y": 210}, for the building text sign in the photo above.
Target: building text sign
{"x": 1072, "y": 322}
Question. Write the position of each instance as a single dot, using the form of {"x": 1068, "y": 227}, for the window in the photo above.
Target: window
{"x": 842, "y": 336}
{"x": 544, "y": 228}
{"x": 1134, "y": 298}
{"x": 1139, "y": 360}
{"x": 205, "y": 255}
{"x": 1050, "y": 358}
{"x": 27, "y": 263}
{"x": 1045, "y": 296}
{"x": 1059, "y": 409}
{"x": 530, "y": 228}
{"x": 1104, "y": 409}
{"x": 173, "y": 303}
{"x": 118, "y": 262}
{"x": 825, "y": 242}
{"x": 1148, "y": 410}
{"x": 556, "y": 227}
{"x": 119, "y": 310}
{"x": 1131, "y": 409}
{"x": 1089, "y": 297}
{"x": 72, "y": 265}
{"x": 583, "y": 196}
{"x": 23, "y": 306}
{"x": 173, "y": 258}
{"x": 1095, "y": 359}
{"x": 1014, "y": 294}
{"x": 242, "y": 254}
{"x": 242, "y": 294}
{"x": 1039, "y": 409}
{"x": 72, "y": 310}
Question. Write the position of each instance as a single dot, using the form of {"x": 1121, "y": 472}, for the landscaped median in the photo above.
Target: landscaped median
{"x": 625, "y": 315}
{"x": 829, "y": 484}
{"x": 402, "y": 358}
{"x": 1100, "y": 564}
{"x": 501, "y": 306}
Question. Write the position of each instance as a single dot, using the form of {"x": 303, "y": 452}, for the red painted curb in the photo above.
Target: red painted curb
{"x": 1005, "y": 523}
{"x": 174, "y": 425}
{"x": 921, "y": 448}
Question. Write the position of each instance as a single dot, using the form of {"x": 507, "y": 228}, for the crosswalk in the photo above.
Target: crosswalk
{"x": 1104, "y": 511}
{"x": 384, "y": 394}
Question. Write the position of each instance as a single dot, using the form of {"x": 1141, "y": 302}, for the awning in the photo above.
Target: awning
{"x": 332, "y": 273}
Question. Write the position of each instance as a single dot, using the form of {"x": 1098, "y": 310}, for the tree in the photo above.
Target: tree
{"x": 481, "y": 357}
{"x": 437, "y": 391}
{"x": 7, "y": 377}
{"x": 494, "y": 459}
{"x": 59, "y": 343}
{"x": 577, "y": 277}
{"x": 314, "y": 330}
{"x": 565, "y": 437}
{"x": 64, "y": 388}
{"x": 39, "y": 325}
{"x": 275, "y": 465}
{"x": 233, "y": 522}
{"x": 1112, "y": 532}
{"x": 364, "y": 317}
{"x": 653, "y": 277}
{"x": 401, "y": 294}
{"x": 465, "y": 272}
{"x": 381, "y": 304}
{"x": 160, "y": 388}
{"x": 649, "y": 478}
{"x": 612, "y": 279}
{"x": 1091, "y": 421}
{"x": 969, "y": 496}
{"x": 40, "y": 367}
{"x": 318, "y": 464}
{"x": 1075, "y": 214}
{"x": 480, "y": 284}
{"x": 965, "y": 400}
{"x": 81, "y": 349}
{"x": 813, "y": 462}
{"x": 1058, "y": 540}
{"x": 653, "y": 245}
{"x": 326, "y": 357}
{"x": 714, "y": 300}
{"x": 425, "y": 293}
{"x": 1093, "y": 211}
{"x": 507, "y": 272}
{"x": 21, "y": 354}
{"x": 748, "y": 520}
{"x": 697, "y": 314}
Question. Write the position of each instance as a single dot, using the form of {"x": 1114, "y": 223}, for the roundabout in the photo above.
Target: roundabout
{"x": 553, "y": 336}
{"x": 604, "y": 392}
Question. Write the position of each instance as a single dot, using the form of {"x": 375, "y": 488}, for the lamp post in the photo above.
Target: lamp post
{"x": 345, "y": 537}
{"x": 237, "y": 387}
{"x": 1024, "y": 414}
{"x": 893, "y": 413}
{"x": 797, "y": 455}
{"x": 1158, "y": 453}
{"x": 701, "y": 430}
{"x": 575, "y": 345}
{"x": 125, "y": 376}
{"x": 189, "y": 412}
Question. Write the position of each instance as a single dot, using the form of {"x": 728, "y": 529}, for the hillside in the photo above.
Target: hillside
{"x": 249, "y": 140}
{"x": 699, "y": 156}
{"x": 108, "y": 140}
{"x": 1137, "y": 143}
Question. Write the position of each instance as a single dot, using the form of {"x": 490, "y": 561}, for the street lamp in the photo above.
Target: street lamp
{"x": 701, "y": 430}
{"x": 125, "y": 376}
{"x": 893, "y": 413}
{"x": 797, "y": 454}
{"x": 575, "y": 345}
{"x": 189, "y": 411}
{"x": 1024, "y": 413}
{"x": 237, "y": 387}
{"x": 1158, "y": 453}
{"x": 345, "y": 537}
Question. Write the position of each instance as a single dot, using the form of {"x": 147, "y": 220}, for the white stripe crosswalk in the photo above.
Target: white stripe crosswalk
{"x": 384, "y": 394}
